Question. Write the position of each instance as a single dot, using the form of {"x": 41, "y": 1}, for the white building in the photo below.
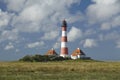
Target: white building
{"x": 78, "y": 54}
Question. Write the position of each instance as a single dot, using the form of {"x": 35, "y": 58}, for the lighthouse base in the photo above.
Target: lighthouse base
{"x": 64, "y": 55}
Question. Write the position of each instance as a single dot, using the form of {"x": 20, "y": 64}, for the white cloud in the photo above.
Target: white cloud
{"x": 89, "y": 32}
{"x": 14, "y": 5}
{"x": 32, "y": 13}
{"x": 43, "y": 15}
{"x": 118, "y": 44}
{"x": 29, "y": 19}
{"x": 76, "y": 18}
{"x": 106, "y": 26}
{"x": 9, "y": 35}
{"x": 113, "y": 23}
{"x": 89, "y": 43}
{"x": 4, "y": 19}
{"x": 9, "y": 46}
{"x": 35, "y": 44}
{"x": 17, "y": 50}
{"x": 74, "y": 34}
{"x": 103, "y": 10}
{"x": 56, "y": 45}
{"x": 116, "y": 21}
{"x": 109, "y": 36}
{"x": 50, "y": 35}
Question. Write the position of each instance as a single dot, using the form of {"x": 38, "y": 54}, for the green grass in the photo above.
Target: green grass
{"x": 61, "y": 70}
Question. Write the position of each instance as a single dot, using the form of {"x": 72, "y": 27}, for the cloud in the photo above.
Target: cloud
{"x": 15, "y": 5}
{"x": 76, "y": 17}
{"x": 28, "y": 20}
{"x": 40, "y": 16}
{"x": 5, "y": 32}
{"x": 36, "y": 16}
{"x": 74, "y": 34}
{"x": 17, "y": 50}
{"x": 116, "y": 21}
{"x": 56, "y": 45}
{"x": 9, "y": 46}
{"x": 9, "y": 35}
{"x": 106, "y": 14}
{"x": 113, "y": 23}
{"x": 103, "y": 10}
{"x": 50, "y": 35}
{"x": 4, "y": 19}
{"x": 35, "y": 44}
{"x": 32, "y": 13}
{"x": 118, "y": 44}
{"x": 114, "y": 35}
{"x": 89, "y": 43}
{"x": 106, "y": 26}
{"x": 89, "y": 32}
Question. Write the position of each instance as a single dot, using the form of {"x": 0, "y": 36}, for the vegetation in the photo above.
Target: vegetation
{"x": 60, "y": 70}
{"x": 42, "y": 58}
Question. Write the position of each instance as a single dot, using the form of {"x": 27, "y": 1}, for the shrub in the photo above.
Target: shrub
{"x": 42, "y": 58}
{"x": 27, "y": 58}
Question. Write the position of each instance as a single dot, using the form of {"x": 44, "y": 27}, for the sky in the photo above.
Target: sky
{"x": 29, "y": 27}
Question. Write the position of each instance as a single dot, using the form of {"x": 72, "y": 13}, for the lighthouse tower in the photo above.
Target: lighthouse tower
{"x": 64, "y": 49}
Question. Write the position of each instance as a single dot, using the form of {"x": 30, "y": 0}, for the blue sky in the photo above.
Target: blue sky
{"x": 30, "y": 27}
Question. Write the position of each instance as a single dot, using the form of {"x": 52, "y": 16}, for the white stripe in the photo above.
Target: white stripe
{"x": 63, "y": 44}
{"x": 64, "y": 33}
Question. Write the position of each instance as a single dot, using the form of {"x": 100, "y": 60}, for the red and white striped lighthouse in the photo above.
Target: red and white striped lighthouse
{"x": 64, "y": 49}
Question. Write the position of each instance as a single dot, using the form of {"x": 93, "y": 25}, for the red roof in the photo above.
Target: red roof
{"x": 51, "y": 52}
{"x": 77, "y": 52}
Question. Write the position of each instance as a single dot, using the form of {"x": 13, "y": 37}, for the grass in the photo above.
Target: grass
{"x": 61, "y": 70}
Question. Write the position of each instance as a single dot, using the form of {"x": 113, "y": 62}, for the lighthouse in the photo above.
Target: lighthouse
{"x": 64, "y": 48}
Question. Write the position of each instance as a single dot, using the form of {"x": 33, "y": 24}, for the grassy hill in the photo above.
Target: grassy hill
{"x": 61, "y": 70}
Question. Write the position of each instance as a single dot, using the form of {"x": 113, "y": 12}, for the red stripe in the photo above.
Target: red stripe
{"x": 64, "y": 28}
{"x": 64, "y": 39}
{"x": 64, "y": 50}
